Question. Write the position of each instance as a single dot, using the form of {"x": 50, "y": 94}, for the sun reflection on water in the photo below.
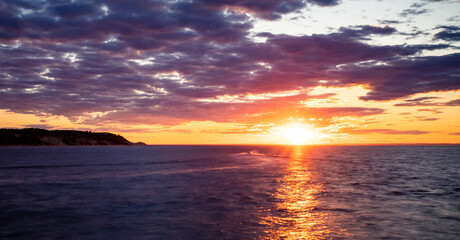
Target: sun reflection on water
{"x": 295, "y": 215}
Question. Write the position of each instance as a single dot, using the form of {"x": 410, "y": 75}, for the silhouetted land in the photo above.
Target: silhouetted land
{"x": 41, "y": 137}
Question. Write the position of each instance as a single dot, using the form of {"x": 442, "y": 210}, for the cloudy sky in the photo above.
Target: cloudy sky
{"x": 234, "y": 71}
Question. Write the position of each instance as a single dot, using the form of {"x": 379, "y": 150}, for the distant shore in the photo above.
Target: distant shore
{"x": 42, "y": 137}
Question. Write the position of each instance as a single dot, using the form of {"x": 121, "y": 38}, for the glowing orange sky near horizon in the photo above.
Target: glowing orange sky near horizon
{"x": 239, "y": 73}
{"x": 404, "y": 124}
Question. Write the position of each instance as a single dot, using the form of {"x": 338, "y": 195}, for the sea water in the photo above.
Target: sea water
{"x": 230, "y": 192}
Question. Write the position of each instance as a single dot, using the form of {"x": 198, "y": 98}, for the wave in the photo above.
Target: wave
{"x": 102, "y": 164}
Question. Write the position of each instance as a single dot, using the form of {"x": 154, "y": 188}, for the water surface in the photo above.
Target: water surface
{"x": 230, "y": 192}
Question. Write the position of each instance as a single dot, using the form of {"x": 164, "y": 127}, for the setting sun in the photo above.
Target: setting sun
{"x": 230, "y": 119}
{"x": 297, "y": 135}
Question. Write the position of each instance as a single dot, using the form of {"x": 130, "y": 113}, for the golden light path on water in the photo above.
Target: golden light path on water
{"x": 295, "y": 215}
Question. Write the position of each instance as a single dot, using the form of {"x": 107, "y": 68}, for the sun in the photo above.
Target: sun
{"x": 297, "y": 135}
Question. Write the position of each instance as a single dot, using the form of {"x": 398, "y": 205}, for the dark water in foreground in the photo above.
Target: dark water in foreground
{"x": 183, "y": 192}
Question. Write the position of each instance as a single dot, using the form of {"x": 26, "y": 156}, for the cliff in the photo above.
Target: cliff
{"x": 41, "y": 137}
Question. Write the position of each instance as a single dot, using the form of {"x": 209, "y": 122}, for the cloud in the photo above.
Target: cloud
{"x": 423, "y": 119}
{"x": 324, "y": 2}
{"x": 433, "y": 110}
{"x": 271, "y": 9}
{"x": 362, "y": 31}
{"x": 387, "y": 22}
{"x": 132, "y": 21}
{"x": 450, "y": 33}
{"x": 452, "y": 103}
{"x": 405, "y": 77}
{"x": 428, "y": 119}
{"x": 174, "y": 112}
{"x": 72, "y": 11}
{"x": 426, "y": 101}
{"x": 169, "y": 62}
{"x": 243, "y": 129}
{"x": 343, "y": 111}
{"x": 414, "y": 10}
{"x": 42, "y": 126}
{"x": 384, "y": 131}
{"x": 436, "y": 0}
{"x": 420, "y": 99}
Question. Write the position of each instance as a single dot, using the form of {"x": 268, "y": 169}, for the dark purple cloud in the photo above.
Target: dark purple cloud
{"x": 404, "y": 77}
{"x": 76, "y": 10}
{"x": 166, "y": 61}
{"x": 420, "y": 99}
{"x": 452, "y": 103}
{"x": 363, "y": 31}
{"x": 414, "y": 10}
{"x": 427, "y": 101}
{"x": 324, "y": 2}
{"x": 388, "y": 22}
{"x": 269, "y": 9}
{"x": 449, "y": 33}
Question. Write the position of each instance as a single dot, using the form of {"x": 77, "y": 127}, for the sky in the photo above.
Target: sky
{"x": 234, "y": 71}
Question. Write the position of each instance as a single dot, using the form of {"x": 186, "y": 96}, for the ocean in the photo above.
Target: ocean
{"x": 230, "y": 192}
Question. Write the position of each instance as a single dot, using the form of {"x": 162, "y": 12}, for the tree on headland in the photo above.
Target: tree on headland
{"x": 42, "y": 137}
